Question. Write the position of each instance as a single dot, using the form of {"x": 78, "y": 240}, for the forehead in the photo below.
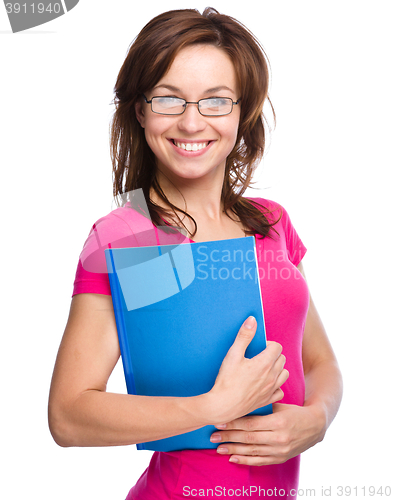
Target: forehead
{"x": 198, "y": 68}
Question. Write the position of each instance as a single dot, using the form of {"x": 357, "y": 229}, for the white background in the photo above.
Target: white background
{"x": 328, "y": 164}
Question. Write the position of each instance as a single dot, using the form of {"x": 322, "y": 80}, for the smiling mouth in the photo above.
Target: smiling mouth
{"x": 191, "y": 146}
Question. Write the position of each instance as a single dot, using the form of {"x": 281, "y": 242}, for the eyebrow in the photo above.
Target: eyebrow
{"x": 208, "y": 91}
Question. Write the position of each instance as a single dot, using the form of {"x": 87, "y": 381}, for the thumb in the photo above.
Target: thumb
{"x": 244, "y": 337}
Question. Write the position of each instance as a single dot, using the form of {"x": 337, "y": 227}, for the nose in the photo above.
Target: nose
{"x": 191, "y": 121}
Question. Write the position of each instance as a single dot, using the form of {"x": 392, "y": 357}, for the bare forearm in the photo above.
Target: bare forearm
{"x": 93, "y": 417}
{"x": 99, "y": 418}
{"x": 324, "y": 389}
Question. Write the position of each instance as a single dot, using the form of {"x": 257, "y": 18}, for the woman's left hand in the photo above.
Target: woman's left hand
{"x": 272, "y": 439}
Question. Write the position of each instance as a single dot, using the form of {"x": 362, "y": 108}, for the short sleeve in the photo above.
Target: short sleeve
{"x": 87, "y": 282}
{"x": 295, "y": 247}
{"x": 121, "y": 228}
{"x": 91, "y": 273}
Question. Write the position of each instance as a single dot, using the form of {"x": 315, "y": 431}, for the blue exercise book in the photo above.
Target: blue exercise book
{"x": 178, "y": 309}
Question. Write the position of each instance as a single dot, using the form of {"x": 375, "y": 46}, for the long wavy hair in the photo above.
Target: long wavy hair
{"x": 148, "y": 59}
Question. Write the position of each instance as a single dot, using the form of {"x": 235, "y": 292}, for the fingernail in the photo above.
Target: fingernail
{"x": 222, "y": 449}
{"x": 234, "y": 460}
{"x": 215, "y": 438}
{"x": 221, "y": 426}
{"x": 249, "y": 323}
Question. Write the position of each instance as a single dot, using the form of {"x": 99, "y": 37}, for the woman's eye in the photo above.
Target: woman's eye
{"x": 168, "y": 101}
{"x": 216, "y": 101}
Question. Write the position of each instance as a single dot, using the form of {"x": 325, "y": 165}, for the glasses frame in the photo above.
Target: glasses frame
{"x": 189, "y": 102}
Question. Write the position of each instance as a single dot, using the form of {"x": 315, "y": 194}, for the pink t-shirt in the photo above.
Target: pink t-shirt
{"x": 205, "y": 473}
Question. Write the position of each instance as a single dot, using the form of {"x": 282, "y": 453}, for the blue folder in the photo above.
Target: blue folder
{"x": 178, "y": 309}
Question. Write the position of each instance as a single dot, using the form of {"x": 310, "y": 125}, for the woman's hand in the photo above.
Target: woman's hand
{"x": 243, "y": 384}
{"x": 290, "y": 429}
{"x": 271, "y": 439}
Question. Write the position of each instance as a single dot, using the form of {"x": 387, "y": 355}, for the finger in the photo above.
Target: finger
{"x": 255, "y": 461}
{"x": 245, "y": 450}
{"x": 251, "y": 454}
{"x": 243, "y": 338}
{"x": 272, "y": 351}
{"x": 283, "y": 377}
{"x": 271, "y": 342}
{"x": 233, "y": 440}
{"x": 243, "y": 437}
{"x": 281, "y": 361}
{"x": 255, "y": 422}
{"x": 277, "y": 396}
{"x": 247, "y": 423}
{"x": 279, "y": 371}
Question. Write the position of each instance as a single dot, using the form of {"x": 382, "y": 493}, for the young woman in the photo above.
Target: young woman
{"x": 189, "y": 131}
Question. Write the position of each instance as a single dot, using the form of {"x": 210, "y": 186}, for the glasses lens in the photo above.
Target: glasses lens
{"x": 215, "y": 106}
{"x": 168, "y": 105}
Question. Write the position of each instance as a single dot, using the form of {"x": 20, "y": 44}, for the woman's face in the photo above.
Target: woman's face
{"x": 191, "y": 146}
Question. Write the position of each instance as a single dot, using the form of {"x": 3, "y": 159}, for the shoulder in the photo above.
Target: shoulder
{"x": 120, "y": 228}
{"x": 119, "y": 223}
{"x": 265, "y": 203}
{"x": 272, "y": 210}
{"x": 277, "y": 215}
{"x": 123, "y": 219}
{"x": 284, "y": 227}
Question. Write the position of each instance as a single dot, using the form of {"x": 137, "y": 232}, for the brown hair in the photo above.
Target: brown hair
{"x": 149, "y": 58}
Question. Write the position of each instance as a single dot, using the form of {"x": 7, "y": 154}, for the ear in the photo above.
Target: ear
{"x": 140, "y": 114}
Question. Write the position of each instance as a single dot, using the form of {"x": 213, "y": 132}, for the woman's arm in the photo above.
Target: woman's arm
{"x": 291, "y": 429}
{"x": 82, "y": 413}
{"x": 324, "y": 385}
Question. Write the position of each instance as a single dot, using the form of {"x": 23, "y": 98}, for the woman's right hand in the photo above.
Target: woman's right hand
{"x": 243, "y": 384}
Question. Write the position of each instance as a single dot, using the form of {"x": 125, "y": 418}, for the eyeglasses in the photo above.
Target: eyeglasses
{"x": 213, "y": 106}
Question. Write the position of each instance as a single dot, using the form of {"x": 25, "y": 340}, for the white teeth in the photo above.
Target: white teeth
{"x": 195, "y": 146}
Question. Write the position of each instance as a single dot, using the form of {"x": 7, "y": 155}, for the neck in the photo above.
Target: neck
{"x": 200, "y": 198}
